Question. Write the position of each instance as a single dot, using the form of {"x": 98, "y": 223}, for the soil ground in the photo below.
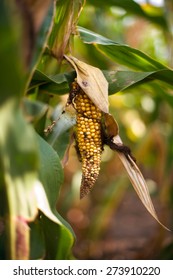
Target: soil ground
{"x": 131, "y": 234}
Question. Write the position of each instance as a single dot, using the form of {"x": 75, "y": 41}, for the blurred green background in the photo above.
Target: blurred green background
{"x": 111, "y": 222}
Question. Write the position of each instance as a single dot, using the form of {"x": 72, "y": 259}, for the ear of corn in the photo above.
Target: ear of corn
{"x": 88, "y": 137}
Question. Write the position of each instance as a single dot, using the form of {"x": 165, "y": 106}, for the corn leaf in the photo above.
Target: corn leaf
{"x": 37, "y": 242}
{"x": 18, "y": 152}
{"x": 57, "y": 84}
{"x": 117, "y": 80}
{"x": 58, "y": 133}
{"x": 18, "y": 149}
{"x": 122, "y": 80}
{"x": 120, "y": 53}
{"x": 59, "y": 236}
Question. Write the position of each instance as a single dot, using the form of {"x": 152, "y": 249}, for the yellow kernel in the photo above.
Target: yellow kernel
{"x": 93, "y": 107}
{"x": 88, "y": 135}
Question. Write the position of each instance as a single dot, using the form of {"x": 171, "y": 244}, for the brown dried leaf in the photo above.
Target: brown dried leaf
{"x": 111, "y": 125}
{"x": 137, "y": 181}
{"x": 92, "y": 81}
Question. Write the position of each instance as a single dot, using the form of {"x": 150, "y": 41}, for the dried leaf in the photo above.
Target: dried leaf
{"x": 111, "y": 125}
{"x": 92, "y": 81}
{"x": 137, "y": 181}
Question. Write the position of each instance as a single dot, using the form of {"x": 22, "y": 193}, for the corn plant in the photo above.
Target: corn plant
{"x": 42, "y": 60}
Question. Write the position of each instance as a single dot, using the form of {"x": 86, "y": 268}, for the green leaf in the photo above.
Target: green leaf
{"x": 37, "y": 242}
{"x": 121, "y": 80}
{"x": 57, "y": 84}
{"x": 58, "y": 240}
{"x": 34, "y": 110}
{"x": 118, "y": 80}
{"x": 51, "y": 173}
{"x": 18, "y": 149}
{"x": 122, "y": 54}
{"x": 18, "y": 142}
{"x": 11, "y": 68}
{"x": 60, "y": 135}
{"x": 58, "y": 233}
{"x": 19, "y": 162}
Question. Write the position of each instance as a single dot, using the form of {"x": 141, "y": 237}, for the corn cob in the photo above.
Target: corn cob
{"x": 88, "y": 135}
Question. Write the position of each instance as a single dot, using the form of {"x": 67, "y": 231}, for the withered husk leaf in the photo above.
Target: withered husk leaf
{"x": 137, "y": 180}
{"x": 92, "y": 81}
{"x": 111, "y": 125}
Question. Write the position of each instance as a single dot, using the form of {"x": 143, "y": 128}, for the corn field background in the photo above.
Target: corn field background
{"x": 41, "y": 215}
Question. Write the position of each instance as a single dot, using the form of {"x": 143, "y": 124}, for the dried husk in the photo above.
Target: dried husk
{"x": 92, "y": 81}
